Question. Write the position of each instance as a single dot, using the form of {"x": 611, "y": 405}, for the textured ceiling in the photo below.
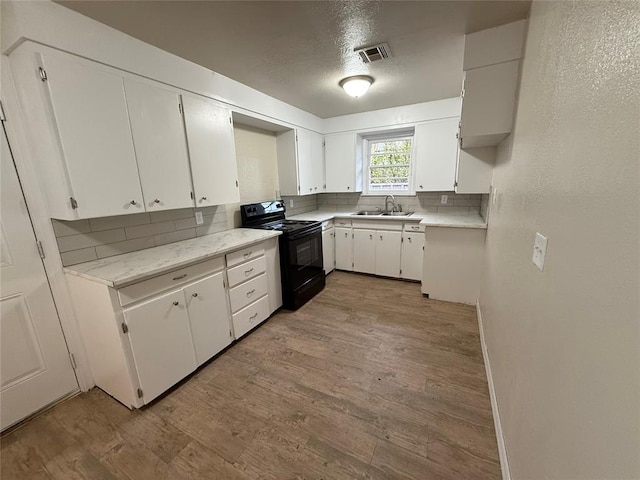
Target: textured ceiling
{"x": 299, "y": 51}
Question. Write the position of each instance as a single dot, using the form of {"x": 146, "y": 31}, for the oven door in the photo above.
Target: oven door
{"x": 304, "y": 258}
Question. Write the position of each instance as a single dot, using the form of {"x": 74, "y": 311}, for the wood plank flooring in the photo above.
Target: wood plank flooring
{"x": 367, "y": 381}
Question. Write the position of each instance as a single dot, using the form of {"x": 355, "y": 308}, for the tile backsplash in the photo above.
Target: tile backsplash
{"x": 85, "y": 240}
{"x": 304, "y": 204}
{"x": 425, "y": 202}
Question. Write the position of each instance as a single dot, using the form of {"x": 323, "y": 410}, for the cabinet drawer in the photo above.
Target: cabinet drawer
{"x": 380, "y": 225}
{"x": 248, "y": 292}
{"x": 246, "y": 254}
{"x": 246, "y": 271}
{"x": 251, "y": 316}
{"x": 413, "y": 227}
{"x": 154, "y": 285}
{"x": 342, "y": 222}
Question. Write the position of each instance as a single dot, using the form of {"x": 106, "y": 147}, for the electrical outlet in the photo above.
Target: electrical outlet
{"x": 444, "y": 198}
{"x": 199, "y": 219}
{"x": 539, "y": 250}
{"x": 291, "y": 203}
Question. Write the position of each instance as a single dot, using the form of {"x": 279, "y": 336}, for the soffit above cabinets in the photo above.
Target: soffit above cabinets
{"x": 298, "y": 51}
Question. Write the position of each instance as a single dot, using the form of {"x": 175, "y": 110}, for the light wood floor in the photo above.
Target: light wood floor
{"x": 368, "y": 381}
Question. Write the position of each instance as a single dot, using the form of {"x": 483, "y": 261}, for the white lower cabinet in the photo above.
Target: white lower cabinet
{"x": 388, "y": 245}
{"x": 161, "y": 342}
{"x": 364, "y": 251}
{"x": 344, "y": 248}
{"x": 144, "y": 337}
{"x": 328, "y": 250}
{"x": 411, "y": 256}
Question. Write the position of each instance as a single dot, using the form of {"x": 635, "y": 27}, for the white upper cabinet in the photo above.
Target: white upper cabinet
{"x": 300, "y": 162}
{"x": 475, "y": 170}
{"x": 436, "y": 150}
{"x": 90, "y": 114}
{"x": 343, "y": 168}
{"x": 212, "y": 152}
{"x": 161, "y": 146}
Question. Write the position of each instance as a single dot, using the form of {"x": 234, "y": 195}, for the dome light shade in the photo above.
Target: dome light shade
{"x": 356, "y": 86}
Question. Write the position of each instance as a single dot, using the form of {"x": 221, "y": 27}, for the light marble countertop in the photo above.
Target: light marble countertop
{"x": 127, "y": 268}
{"x": 451, "y": 220}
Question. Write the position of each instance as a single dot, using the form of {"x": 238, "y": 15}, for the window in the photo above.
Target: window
{"x": 389, "y": 161}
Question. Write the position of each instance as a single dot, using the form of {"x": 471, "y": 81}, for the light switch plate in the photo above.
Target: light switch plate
{"x": 539, "y": 250}
{"x": 444, "y": 198}
{"x": 199, "y": 219}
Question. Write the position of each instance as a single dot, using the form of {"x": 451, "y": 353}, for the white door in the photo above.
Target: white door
{"x": 161, "y": 343}
{"x": 412, "y": 255}
{"x": 340, "y": 162}
{"x": 35, "y": 369}
{"x": 91, "y": 115}
{"x": 304, "y": 145}
{"x": 208, "y": 316}
{"x": 161, "y": 146}
{"x": 364, "y": 251}
{"x": 344, "y": 249}
{"x": 212, "y": 152}
{"x": 328, "y": 250}
{"x": 387, "y": 253}
{"x": 436, "y": 147}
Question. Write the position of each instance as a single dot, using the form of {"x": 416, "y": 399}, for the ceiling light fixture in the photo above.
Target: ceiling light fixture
{"x": 357, "y": 85}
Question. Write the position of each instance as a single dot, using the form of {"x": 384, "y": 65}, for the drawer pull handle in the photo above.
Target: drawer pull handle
{"x": 253, "y": 316}
{"x": 176, "y": 303}
{"x": 247, "y": 254}
{"x": 251, "y": 292}
{"x": 248, "y": 272}
{"x": 194, "y": 294}
{"x": 180, "y": 277}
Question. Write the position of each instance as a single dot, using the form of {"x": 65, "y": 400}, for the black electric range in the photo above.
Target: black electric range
{"x": 301, "y": 268}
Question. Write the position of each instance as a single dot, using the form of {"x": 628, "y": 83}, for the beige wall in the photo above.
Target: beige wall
{"x": 564, "y": 343}
{"x": 257, "y": 168}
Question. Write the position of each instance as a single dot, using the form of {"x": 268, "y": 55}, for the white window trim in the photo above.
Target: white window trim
{"x": 397, "y": 135}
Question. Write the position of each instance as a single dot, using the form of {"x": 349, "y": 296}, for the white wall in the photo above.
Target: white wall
{"x": 257, "y": 160}
{"x": 564, "y": 343}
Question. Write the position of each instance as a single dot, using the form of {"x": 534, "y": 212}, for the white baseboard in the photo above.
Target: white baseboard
{"x": 502, "y": 451}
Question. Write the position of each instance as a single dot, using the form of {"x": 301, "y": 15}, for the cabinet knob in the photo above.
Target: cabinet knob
{"x": 251, "y": 292}
{"x": 420, "y": 186}
{"x": 380, "y": 237}
{"x": 194, "y": 294}
{"x": 156, "y": 200}
{"x": 370, "y": 237}
{"x": 132, "y": 202}
{"x": 310, "y": 189}
{"x": 176, "y": 303}
{"x": 409, "y": 238}
{"x": 203, "y": 199}
{"x": 316, "y": 188}
{"x": 348, "y": 188}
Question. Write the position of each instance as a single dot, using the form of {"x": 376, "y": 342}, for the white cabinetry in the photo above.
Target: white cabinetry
{"x": 436, "y": 148}
{"x": 161, "y": 342}
{"x": 90, "y": 115}
{"x": 211, "y": 151}
{"x": 343, "y": 164}
{"x": 344, "y": 248}
{"x": 328, "y": 247}
{"x": 364, "y": 251}
{"x": 387, "y": 255}
{"x": 475, "y": 170}
{"x": 300, "y": 162}
{"x": 412, "y": 254}
{"x": 161, "y": 146}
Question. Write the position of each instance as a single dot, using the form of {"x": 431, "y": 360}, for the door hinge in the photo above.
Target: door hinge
{"x": 40, "y": 248}
{"x": 462, "y": 93}
{"x": 353, "y": 236}
{"x": 298, "y": 187}
{"x": 400, "y": 271}
{"x": 73, "y": 361}
{"x": 191, "y": 195}
{"x": 43, "y": 74}
{"x": 3, "y": 117}
{"x": 457, "y": 134}
{"x": 180, "y": 108}
{"x": 74, "y": 203}
{"x": 230, "y": 334}
{"x": 401, "y": 239}
{"x": 455, "y": 184}
{"x": 125, "y": 328}
{"x": 140, "y": 393}
{"x": 231, "y": 120}
{"x": 353, "y": 264}
{"x": 236, "y": 183}
{"x": 224, "y": 283}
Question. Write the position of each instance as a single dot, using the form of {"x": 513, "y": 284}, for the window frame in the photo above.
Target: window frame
{"x": 388, "y": 136}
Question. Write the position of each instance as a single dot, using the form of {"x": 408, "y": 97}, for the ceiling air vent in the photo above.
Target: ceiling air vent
{"x": 374, "y": 53}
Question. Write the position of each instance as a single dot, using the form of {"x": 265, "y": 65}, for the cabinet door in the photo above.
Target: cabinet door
{"x": 161, "y": 146}
{"x": 340, "y": 162}
{"x": 328, "y": 250}
{"x": 412, "y": 254}
{"x": 209, "y": 316}
{"x": 436, "y": 155}
{"x": 388, "y": 246}
{"x": 364, "y": 251}
{"x": 317, "y": 162}
{"x": 212, "y": 152}
{"x": 305, "y": 170}
{"x": 90, "y": 111}
{"x": 475, "y": 170}
{"x": 161, "y": 343}
{"x": 344, "y": 248}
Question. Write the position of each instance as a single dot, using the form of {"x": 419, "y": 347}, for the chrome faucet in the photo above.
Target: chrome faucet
{"x": 393, "y": 202}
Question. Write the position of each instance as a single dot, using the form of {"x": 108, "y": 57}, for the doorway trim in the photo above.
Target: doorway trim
{"x": 37, "y": 205}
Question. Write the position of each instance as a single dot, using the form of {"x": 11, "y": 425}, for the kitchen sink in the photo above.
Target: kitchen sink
{"x": 396, "y": 214}
{"x": 368, "y": 212}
